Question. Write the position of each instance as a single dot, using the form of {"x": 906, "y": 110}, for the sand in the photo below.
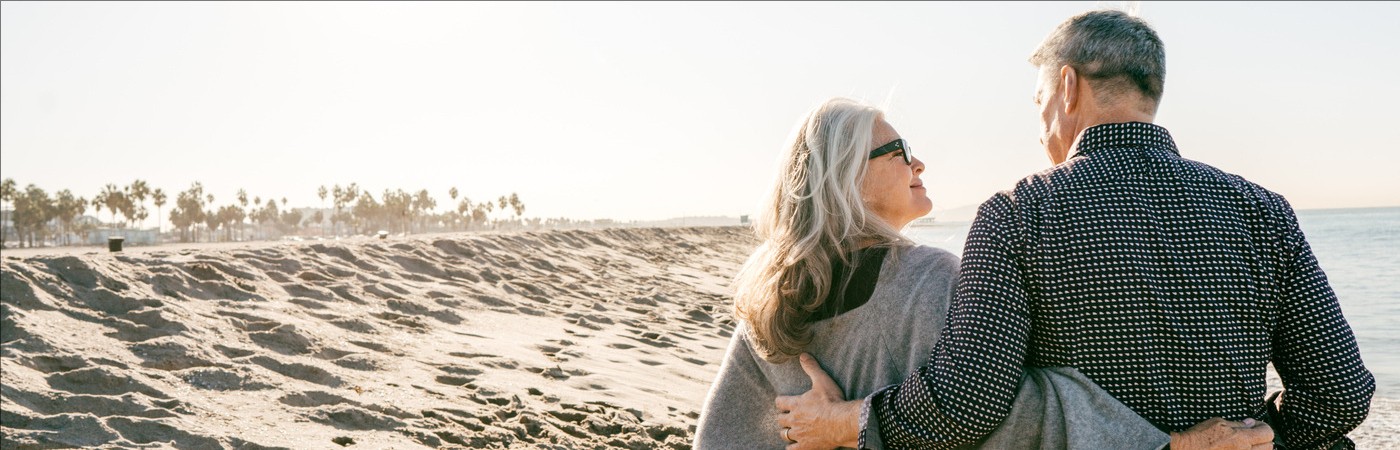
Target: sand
{"x": 557, "y": 339}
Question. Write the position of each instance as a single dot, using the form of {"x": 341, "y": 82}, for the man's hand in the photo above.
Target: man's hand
{"x": 819, "y": 418}
{"x": 1221, "y": 434}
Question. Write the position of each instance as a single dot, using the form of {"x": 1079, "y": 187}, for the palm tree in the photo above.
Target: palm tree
{"x": 365, "y": 208}
{"x": 33, "y": 209}
{"x": 242, "y": 202}
{"x": 517, "y": 205}
{"x": 462, "y": 208}
{"x": 158, "y": 198}
{"x": 337, "y": 199}
{"x": 67, "y": 207}
{"x": 212, "y": 220}
{"x": 188, "y": 211}
{"x": 423, "y": 203}
{"x": 321, "y": 192}
{"x": 210, "y": 216}
{"x": 344, "y": 198}
{"x": 7, "y": 195}
{"x": 139, "y": 191}
{"x": 113, "y": 198}
{"x": 128, "y": 207}
{"x": 502, "y": 203}
{"x": 352, "y": 192}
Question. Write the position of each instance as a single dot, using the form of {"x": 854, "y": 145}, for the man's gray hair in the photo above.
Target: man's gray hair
{"x": 1115, "y": 50}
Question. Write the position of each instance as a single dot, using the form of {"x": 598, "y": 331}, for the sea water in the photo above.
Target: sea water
{"x": 1359, "y": 249}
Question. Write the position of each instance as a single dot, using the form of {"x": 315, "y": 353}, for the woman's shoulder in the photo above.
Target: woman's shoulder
{"x": 923, "y": 257}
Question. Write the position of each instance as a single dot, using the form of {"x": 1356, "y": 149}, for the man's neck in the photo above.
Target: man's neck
{"x": 1118, "y": 115}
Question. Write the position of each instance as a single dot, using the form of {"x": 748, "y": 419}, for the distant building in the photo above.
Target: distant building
{"x": 922, "y": 222}
{"x": 7, "y": 225}
{"x": 133, "y": 236}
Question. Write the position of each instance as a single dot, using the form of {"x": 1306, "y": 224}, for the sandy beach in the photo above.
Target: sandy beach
{"x": 556, "y": 339}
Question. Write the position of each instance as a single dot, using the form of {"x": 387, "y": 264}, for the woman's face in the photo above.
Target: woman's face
{"x": 892, "y": 189}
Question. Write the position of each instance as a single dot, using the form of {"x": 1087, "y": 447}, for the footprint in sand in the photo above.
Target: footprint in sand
{"x": 304, "y": 372}
{"x": 298, "y": 289}
{"x": 140, "y": 431}
{"x": 491, "y": 301}
{"x": 373, "y": 346}
{"x": 168, "y": 354}
{"x": 51, "y": 364}
{"x": 346, "y": 292}
{"x": 412, "y": 308}
{"x": 411, "y": 322}
{"x": 219, "y": 379}
{"x": 55, "y": 403}
{"x": 306, "y": 303}
{"x": 312, "y": 399}
{"x": 100, "y": 381}
{"x": 354, "y": 418}
{"x": 459, "y": 376}
{"x": 284, "y": 339}
{"x": 233, "y": 352}
{"x": 356, "y": 325}
{"x": 329, "y": 354}
{"x": 380, "y": 292}
{"x": 360, "y": 362}
{"x": 55, "y": 431}
{"x": 653, "y": 339}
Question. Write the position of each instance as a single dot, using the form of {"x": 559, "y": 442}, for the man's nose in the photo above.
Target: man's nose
{"x": 918, "y": 165}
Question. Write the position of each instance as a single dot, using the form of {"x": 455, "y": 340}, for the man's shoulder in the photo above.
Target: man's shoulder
{"x": 1035, "y": 188}
{"x": 1027, "y": 191}
{"x": 1264, "y": 199}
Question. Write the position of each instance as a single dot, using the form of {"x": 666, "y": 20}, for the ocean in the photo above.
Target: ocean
{"x": 1359, "y": 249}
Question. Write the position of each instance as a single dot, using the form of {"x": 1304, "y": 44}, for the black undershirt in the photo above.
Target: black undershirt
{"x": 858, "y": 291}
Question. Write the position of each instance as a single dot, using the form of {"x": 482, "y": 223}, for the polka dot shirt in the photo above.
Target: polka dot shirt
{"x": 1168, "y": 282}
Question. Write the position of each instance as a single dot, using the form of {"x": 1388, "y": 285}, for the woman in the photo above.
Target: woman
{"x": 833, "y": 277}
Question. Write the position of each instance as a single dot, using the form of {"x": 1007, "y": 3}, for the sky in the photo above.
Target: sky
{"x": 640, "y": 111}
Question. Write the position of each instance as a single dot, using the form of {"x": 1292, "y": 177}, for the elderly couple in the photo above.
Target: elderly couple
{"x": 1126, "y": 297}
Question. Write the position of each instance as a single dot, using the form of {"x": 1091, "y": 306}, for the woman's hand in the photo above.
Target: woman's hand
{"x": 819, "y": 418}
{"x": 1220, "y": 434}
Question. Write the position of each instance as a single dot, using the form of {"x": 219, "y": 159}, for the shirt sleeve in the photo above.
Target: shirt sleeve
{"x": 739, "y": 410}
{"x": 968, "y": 386}
{"x": 1327, "y": 388}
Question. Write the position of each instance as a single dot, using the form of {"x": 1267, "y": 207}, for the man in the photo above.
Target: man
{"x": 1168, "y": 282}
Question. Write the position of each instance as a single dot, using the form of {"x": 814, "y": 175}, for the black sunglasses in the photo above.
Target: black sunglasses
{"x": 896, "y": 145}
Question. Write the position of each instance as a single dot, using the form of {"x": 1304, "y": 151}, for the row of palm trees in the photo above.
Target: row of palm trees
{"x": 38, "y": 217}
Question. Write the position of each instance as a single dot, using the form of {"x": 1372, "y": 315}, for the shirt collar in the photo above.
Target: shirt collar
{"x": 1119, "y": 135}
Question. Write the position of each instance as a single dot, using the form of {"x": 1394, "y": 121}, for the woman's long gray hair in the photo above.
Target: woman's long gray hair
{"x": 814, "y": 215}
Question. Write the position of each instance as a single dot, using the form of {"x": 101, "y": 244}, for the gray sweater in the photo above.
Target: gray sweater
{"x": 883, "y": 342}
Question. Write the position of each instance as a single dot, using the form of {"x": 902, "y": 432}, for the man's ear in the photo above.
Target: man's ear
{"x": 1069, "y": 82}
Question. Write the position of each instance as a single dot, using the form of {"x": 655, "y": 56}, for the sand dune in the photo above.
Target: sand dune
{"x": 553, "y": 340}
{"x": 564, "y": 339}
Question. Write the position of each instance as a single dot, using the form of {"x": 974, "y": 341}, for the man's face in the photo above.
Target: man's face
{"x": 1055, "y": 127}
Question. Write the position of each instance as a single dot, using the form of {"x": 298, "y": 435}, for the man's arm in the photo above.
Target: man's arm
{"x": 819, "y": 420}
{"x": 971, "y": 379}
{"x": 1327, "y": 389}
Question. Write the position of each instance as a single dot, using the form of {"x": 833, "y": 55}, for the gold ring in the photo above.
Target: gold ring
{"x": 785, "y": 435}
